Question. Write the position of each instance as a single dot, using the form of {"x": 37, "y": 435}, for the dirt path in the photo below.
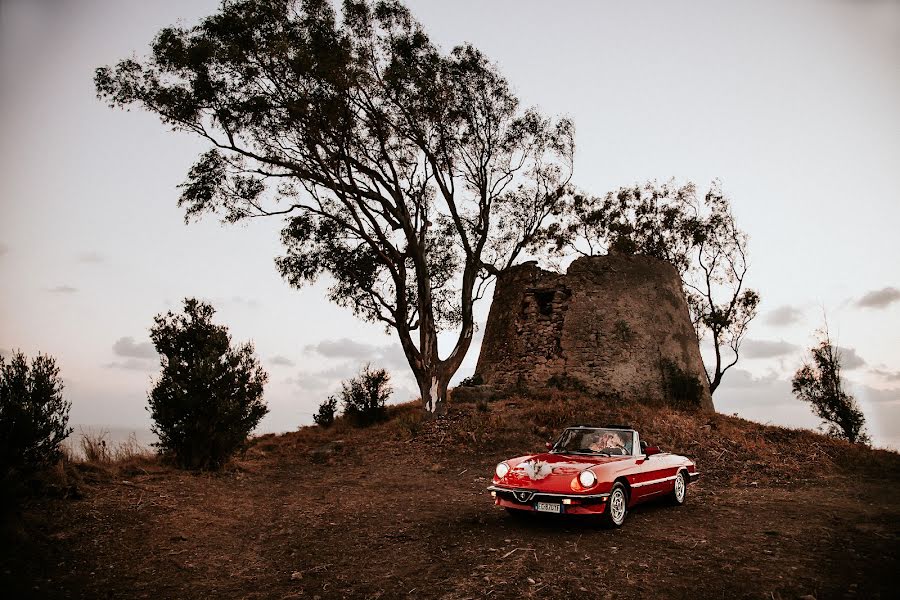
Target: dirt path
{"x": 364, "y": 527}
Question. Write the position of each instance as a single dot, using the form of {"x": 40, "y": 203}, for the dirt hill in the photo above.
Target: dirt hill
{"x": 400, "y": 510}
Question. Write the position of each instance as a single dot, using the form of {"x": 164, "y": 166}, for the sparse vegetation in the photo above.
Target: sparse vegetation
{"x": 364, "y": 396}
{"x": 208, "y": 397}
{"x": 566, "y": 382}
{"x": 821, "y": 384}
{"x": 34, "y": 416}
{"x": 472, "y": 381}
{"x": 434, "y": 472}
{"x": 623, "y": 331}
{"x": 682, "y": 389}
{"x": 325, "y": 415}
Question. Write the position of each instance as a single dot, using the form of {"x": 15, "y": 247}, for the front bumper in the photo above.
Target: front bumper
{"x": 525, "y": 499}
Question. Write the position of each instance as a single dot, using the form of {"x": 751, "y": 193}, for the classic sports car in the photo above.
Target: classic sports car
{"x": 592, "y": 471}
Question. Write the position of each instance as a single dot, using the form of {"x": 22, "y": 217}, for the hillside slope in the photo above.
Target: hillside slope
{"x": 400, "y": 510}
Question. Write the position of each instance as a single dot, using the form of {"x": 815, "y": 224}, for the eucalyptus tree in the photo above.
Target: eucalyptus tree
{"x": 695, "y": 233}
{"x": 408, "y": 175}
{"x": 821, "y": 383}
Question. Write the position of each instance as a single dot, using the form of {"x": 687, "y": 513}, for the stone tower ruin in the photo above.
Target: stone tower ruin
{"x": 613, "y": 324}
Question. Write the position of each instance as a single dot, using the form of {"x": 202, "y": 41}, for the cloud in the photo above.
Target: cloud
{"x": 62, "y": 289}
{"x": 389, "y": 356}
{"x": 245, "y": 302}
{"x": 875, "y": 395}
{"x": 886, "y": 375}
{"x": 126, "y": 346}
{"x": 342, "y": 348}
{"x": 90, "y": 258}
{"x": 879, "y": 298}
{"x": 281, "y": 361}
{"x": 766, "y": 348}
{"x": 784, "y": 315}
{"x": 132, "y": 364}
{"x": 850, "y": 359}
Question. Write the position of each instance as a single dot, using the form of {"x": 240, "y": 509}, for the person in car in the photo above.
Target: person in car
{"x": 604, "y": 442}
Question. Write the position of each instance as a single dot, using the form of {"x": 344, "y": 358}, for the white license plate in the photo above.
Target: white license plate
{"x": 550, "y": 507}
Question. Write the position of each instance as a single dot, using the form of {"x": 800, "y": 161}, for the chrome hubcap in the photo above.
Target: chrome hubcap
{"x": 617, "y": 507}
{"x": 679, "y": 487}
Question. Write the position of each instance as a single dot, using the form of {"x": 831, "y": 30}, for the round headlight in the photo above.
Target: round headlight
{"x": 587, "y": 479}
{"x": 502, "y": 469}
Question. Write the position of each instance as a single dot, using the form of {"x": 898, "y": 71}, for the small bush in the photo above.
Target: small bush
{"x": 208, "y": 397}
{"x": 623, "y": 331}
{"x": 325, "y": 416}
{"x": 94, "y": 448}
{"x": 474, "y": 380}
{"x": 409, "y": 423}
{"x": 364, "y": 396}
{"x": 682, "y": 389}
{"x": 34, "y": 417}
{"x": 566, "y": 383}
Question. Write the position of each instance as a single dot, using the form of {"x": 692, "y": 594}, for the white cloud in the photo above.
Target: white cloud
{"x": 281, "y": 361}
{"x": 90, "y": 258}
{"x": 126, "y": 346}
{"x": 133, "y": 364}
{"x": 850, "y": 359}
{"x": 62, "y": 289}
{"x": 784, "y": 315}
{"x": 766, "y": 348}
{"x": 879, "y": 298}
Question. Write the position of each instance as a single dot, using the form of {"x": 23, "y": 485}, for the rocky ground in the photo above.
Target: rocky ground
{"x": 401, "y": 510}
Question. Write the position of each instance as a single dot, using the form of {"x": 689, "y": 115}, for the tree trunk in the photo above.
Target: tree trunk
{"x": 433, "y": 388}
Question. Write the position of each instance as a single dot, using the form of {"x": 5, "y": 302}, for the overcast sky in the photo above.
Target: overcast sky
{"x": 793, "y": 105}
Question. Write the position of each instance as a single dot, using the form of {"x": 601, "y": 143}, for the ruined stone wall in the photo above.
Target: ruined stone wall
{"x": 610, "y": 322}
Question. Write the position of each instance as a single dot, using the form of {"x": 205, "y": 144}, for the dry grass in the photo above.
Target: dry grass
{"x": 729, "y": 450}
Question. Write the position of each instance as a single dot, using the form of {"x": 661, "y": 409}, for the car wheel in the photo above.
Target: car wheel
{"x": 679, "y": 491}
{"x": 616, "y": 506}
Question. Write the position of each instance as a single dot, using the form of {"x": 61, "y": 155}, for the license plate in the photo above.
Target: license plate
{"x": 550, "y": 507}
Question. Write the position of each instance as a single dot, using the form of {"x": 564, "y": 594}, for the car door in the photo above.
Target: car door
{"x": 652, "y": 477}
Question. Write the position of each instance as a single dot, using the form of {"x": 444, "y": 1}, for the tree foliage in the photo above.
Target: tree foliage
{"x": 820, "y": 383}
{"x": 408, "y": 175}
{"x": 324, "y": 417}
{"x": 696, "y": 234}
{"x": 364, "y": 396}
{"x": 208, "y": 397}
{"x": 34, "y": 416}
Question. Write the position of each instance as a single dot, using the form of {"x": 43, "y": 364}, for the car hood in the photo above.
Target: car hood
{"x": 554, "y": 472}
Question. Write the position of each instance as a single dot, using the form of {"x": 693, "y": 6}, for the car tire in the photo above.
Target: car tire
{"x": 678, "y": 496}
{"x": 616, "y": 507}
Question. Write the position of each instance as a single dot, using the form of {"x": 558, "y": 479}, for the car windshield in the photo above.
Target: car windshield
{"x": 594, "y": 440}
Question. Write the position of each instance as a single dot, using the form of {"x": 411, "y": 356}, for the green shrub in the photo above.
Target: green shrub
{"x": 325, "y": 416}
{"x": 364, "y": 396}
{"x": 34, "y": 417}
{"x": 208, "y": 397}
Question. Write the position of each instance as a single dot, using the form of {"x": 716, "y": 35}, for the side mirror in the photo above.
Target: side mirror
{"x": 643, "y": 446}
{"x": 651, "y": 450}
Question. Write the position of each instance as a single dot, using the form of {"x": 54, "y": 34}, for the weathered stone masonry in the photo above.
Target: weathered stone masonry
{"x": 608, "y": 322}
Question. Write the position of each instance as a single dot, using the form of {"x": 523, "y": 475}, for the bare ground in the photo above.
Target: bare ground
{"x": 299, "y": 519}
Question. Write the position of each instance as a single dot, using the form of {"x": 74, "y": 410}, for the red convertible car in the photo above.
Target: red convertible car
{"x": 592, "y": 471}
